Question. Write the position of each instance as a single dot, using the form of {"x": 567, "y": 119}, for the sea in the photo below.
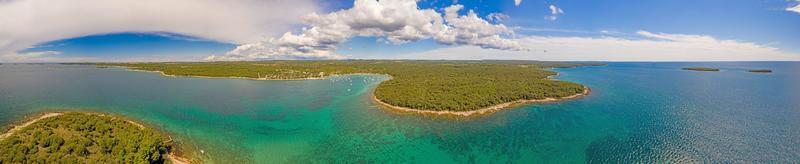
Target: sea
{"x": 638, "y": 112}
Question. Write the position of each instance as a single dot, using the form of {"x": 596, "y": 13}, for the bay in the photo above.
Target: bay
{"x": 637, "y": 112}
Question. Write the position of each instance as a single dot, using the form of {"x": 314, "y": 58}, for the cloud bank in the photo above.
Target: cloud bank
{"x": 650, "y": 47}
{"x": 395, "y": 21}
{"x": 25, "y": 23}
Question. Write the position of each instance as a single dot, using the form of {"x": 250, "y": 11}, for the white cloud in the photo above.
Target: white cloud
{"x": 796, "y": 8}
{"x": 554, "y": 12}
{"x": 37, "y": 54}
{"x": 517, "y": 2}
{"x": 472, "y": 30}
{"x": 396, "y": 21}
{"x": 497, "y": 17}
{"x": 655, "y": 47}
{"x": 44, "y": 57}
{"x": 29, "y": 22}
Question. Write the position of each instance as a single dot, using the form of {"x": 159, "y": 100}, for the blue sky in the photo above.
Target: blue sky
{"x": 752, "y": 20}
{"x": 767, "y": 24}
{"x": 134, "y": 45}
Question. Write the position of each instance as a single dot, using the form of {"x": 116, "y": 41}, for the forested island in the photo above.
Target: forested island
{"x": 447, "y": 86}
{"x": 760, "y": 71}
{"x": 701, "y": 69}
{"x": 74, "y": 137}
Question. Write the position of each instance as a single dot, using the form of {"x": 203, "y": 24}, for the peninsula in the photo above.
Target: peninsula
{"x": 460, "y": 88}
{"x": 75, "y": 137}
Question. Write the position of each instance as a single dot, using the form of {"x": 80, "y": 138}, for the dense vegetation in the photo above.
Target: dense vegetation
{"x": 83, "y": 138}
{"x": 428, "y": 85}
{"x": 760, "y": 71}
{"x": 700, "y": 69}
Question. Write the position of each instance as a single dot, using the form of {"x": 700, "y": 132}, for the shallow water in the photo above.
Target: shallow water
{"x": 637, "y": 112}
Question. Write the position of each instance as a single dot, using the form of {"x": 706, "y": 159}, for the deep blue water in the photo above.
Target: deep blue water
{"x": 638, "y": 112}
{"x": 675, "y": 115}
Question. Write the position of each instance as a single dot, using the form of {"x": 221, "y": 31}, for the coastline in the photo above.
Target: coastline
{"x": 171, "y": 156}
{"x": 399, "y": 109}
{"x": 478, "y": 112}
{"x": 228, "y": 77}
{"x": 28, "y": 123}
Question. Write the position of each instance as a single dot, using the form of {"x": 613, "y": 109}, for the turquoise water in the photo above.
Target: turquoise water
{"x": 637, "y": 112}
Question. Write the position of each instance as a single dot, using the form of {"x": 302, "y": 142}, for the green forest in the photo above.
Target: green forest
{"x": 426, "y": 84}
{"x": 701, "y": 69}
{"x": 760, "y": 71}
{"x": 83, "y": 138}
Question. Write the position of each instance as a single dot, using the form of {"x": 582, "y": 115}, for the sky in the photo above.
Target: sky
{"x": 556, "y": 30}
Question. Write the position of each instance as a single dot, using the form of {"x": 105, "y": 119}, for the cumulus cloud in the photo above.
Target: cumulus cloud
{"x": 796, "y": 8}
{"x": 554, "y": 12}
{"x": 396, "y": 21}
{"x": 29, "y": 22}
{"x": 472, "y": 30}
{"x": 517, "y": 2}
{"x": 651, "y": 47}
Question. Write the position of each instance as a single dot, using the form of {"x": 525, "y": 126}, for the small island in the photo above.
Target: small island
{"x": 75, "y": 137}
{"x": 701, "y": 69}
{"x": 456, "y": 88}
{"x": 760, "y": 71}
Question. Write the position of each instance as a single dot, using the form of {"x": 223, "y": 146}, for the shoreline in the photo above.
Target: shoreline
{"x": 27, "y": 123}
{"x": 399, "y": 109}
{"x": 220, "y": 77}
{"x": 171, "y": 156}
{"x": 478, "y": 112}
